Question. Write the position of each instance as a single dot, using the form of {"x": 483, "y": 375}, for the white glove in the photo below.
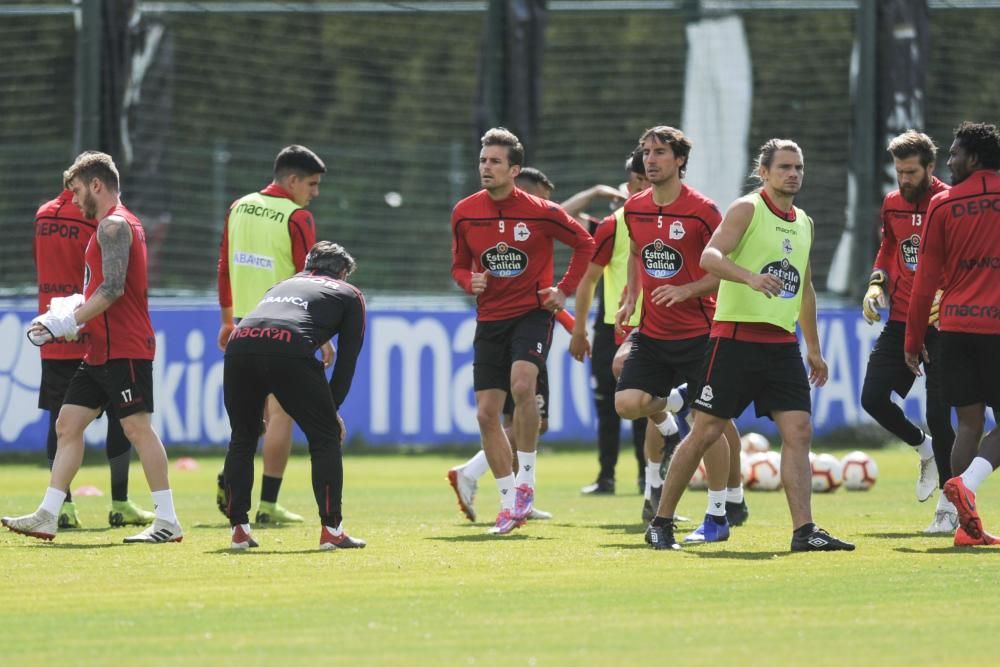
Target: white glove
{"x": 59, "y": 321}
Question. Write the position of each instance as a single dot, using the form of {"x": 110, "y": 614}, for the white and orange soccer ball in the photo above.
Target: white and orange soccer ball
{"x": 752, "y": 443}
{"x": 860, "y": 471}
{"x": 827, "y": 473}
{"x": 699, "y": 481}
{"x": 763, "y": 471}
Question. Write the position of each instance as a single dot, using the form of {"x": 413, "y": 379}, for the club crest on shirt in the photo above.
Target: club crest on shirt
{"x": 909, "y": 249}
{"x": 504, "y": 260}
{"x": 521, "y": 232}
{"x": 789, "y": 276}
{"x": 786, "y": 246}
{"x": 676, "y": 230}
{"x": 660, "y": 260}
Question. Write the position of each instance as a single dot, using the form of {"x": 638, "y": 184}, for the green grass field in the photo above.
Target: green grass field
{"x": 433, "y": 589}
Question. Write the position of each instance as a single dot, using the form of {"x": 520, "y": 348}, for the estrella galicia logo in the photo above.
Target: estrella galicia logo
{"x": 660, "y": 260}
{"x": 788, "y": 275}
{"x": 504, "y": 261}
{"x": 909, "y": 249}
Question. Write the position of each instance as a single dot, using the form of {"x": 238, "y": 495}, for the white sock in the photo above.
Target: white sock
{"x": 734, "y": 495}
{"x": 163, "y": 505}
{"x": 53, "y": 500}
{"x": 652, "y": 477}
{"x": 976, "y": 473}
{"x": 526, "y": 471}
{"x": 245, "y": 527}
{"x": 675, "y": 401}
{"x": 336, "y": 532}
{"x": 505, "y": 485}
{"x": 477, "y": 466}
{"x": 944, "y": 505}
{"x": 716, "y": 502}
{"x": 924, "y": 448}
{"x": 668, "y": 426}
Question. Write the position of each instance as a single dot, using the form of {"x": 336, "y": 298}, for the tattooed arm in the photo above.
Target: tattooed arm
{"x": 115, "y": 237}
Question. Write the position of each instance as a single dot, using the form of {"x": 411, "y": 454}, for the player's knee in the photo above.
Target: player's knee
{"x": 488, "y": 419}
{"x": 797, "y": 435}
{"x": 627, "y": 406}
{"x": 522, "y": 389}
{"x": 872, "y": 400}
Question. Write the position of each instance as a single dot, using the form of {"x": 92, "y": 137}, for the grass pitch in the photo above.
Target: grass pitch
{"x": 433, "y": 589}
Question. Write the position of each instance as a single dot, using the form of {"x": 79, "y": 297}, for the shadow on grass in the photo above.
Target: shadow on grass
{"x": 738, "y": 555}
{"x": 896, "y": 536}
{"x": 629, "y": 545}
{"x": 979, "y": 551}
{"x": 627, "y": 528}
{"x": 258, "y": 553}
{"x": 63, "y": 545}
{"x": 486, "y": 537}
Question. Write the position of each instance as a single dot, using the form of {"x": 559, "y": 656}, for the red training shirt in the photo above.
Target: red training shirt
{"x": 959, "y": 252}
{"x": 511, "y": 239}
{"x": 902, "y": 222}
{"x": 124, "y": 330}
{"x": 604, "y": 241}
{"x": 61, "y": 236}
{"x": 670, "y": 240}
{"x": 301, "y": 230}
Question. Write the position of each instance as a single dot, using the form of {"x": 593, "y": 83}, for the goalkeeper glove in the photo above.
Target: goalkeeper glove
{"x": 874, "y": 297}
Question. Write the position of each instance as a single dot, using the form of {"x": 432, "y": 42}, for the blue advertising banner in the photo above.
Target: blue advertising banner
{"x": 413, "y": 384}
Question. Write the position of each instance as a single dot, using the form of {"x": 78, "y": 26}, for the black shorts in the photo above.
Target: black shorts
{"x": 657, "y": 366}
{"x": 970, "y": 368}
{"x": 498, "y": 344}
{"x": 56, "y": 375}
{"x": 541, "y": 396}
{"x": 123, "y": 386}
{"x": 737, "y": 372}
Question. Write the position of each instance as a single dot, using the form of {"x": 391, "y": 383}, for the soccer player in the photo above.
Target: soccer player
{"x": 62, "y": 233}
{"x": 464, "y": 479}
{"x": 271, "y": 355}
{"x": 669, "y": 225}
{"x": 502, "y": 253}
{"x": 903, "y": 214}
{"x": 609, "y": 264}
{"x": 119, "y": 344}
{"x": 265, "y": 240}
{"x": 761, "y": 254}
{"x": 959, "y": 248}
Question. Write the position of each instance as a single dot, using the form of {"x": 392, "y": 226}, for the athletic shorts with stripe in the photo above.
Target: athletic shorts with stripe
{"x": 656, "y": 366}
{"x": 736, "y": 373}
{"x": 124, "y": 386}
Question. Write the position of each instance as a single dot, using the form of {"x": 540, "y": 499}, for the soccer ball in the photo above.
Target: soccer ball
{"x": 752, "y": 443}
{"x": 763, "y": 471}
{"x": 827, "y": 473}
{"x": 860, "y": 471}
{"x": 699, "y": 481}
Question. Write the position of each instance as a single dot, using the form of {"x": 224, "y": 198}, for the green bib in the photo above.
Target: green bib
{"x": 260, "y": 248}
{"x": 616, "y": 273}
{"x": 770, "y": 245}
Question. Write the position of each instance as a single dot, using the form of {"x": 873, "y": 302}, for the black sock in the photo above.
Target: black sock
{"x": 662, "y": 522}
{"x": 718, "y": 519}
{"x": 269, "y": 488}
{"x": 119, "y": 475}
{"x": 69, "y": 496}
{"x": 805, "y": 529}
